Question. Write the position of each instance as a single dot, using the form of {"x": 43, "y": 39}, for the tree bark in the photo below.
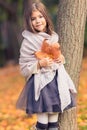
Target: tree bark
{"x": 70, "y": 27}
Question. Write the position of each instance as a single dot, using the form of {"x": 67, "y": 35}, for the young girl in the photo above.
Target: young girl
{"x": 49, "y": 89}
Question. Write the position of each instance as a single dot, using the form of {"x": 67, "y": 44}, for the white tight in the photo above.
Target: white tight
{"x": 44, "y": 118}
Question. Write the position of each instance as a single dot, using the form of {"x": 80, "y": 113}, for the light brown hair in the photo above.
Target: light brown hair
{"x": 40, "y": 7}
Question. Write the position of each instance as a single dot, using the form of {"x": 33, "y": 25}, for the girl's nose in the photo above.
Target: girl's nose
{"x": 37, "y": 20}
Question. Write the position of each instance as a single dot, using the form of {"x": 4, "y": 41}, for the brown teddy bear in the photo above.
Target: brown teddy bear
{"x": 52, "y": 51}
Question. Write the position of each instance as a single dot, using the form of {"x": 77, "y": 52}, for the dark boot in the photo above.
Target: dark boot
{"x": 53, "y": 126}
{"x": 40, "y": 126}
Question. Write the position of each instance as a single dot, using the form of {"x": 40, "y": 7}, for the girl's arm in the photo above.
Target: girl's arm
{"x": 28, "y": 63}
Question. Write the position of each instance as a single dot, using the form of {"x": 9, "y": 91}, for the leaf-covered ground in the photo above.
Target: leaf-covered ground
{"x": 11, "y": 84}
{"x": 82, "y": 97}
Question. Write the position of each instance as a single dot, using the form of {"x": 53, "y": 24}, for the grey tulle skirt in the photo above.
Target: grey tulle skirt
{"x": 49, "y": 100}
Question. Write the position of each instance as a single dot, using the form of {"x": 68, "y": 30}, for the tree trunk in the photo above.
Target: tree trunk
{"x": 70, "y": 27}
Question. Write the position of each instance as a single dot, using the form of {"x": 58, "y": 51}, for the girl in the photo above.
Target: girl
{"x": 49, "y": 89}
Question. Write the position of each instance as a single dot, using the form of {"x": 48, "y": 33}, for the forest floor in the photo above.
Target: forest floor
{"x": 11, "y": 84}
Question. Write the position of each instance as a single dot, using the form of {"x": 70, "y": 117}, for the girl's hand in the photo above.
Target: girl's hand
{"x": 60, "y": 60}
{"x": 46, "y": 62}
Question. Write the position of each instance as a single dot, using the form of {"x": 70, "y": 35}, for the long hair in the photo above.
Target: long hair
{"x": 42, "y": 9}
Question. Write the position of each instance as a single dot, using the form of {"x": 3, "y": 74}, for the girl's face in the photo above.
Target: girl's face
{"x": 38, "y": 21}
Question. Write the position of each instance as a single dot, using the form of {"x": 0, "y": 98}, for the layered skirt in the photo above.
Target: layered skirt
{"x": 49, "y": 99}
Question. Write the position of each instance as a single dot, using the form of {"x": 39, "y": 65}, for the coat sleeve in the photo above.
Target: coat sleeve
{"x": 27, "y": 60}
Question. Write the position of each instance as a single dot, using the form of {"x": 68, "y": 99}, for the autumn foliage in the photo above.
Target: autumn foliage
{"x": 11, "y": 84}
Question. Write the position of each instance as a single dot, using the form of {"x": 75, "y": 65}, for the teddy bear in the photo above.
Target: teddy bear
{"x": 48, "y": 50}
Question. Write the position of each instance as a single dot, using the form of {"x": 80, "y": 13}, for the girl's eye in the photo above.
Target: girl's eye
{"x": 41, "y": 16}
{"x": 32, "y": 19}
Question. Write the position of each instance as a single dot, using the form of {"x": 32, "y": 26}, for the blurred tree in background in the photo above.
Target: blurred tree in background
{"x": 11, "y": 25}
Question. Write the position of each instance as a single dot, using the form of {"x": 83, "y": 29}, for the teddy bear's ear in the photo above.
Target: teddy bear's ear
{"x": 45, "y": 46}
{"x": 56, "y": 45}
{"x": 44, "y": 41}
